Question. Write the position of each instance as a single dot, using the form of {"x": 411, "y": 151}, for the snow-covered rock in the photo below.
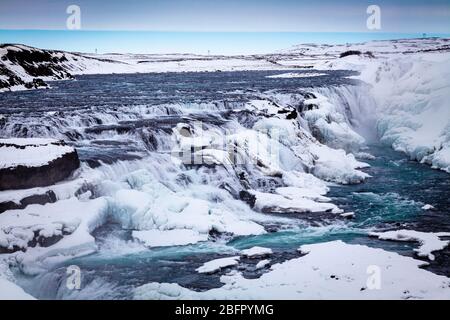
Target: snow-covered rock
{"x": 308, "y": 193}
{"x": 11, "y": 291}
{"x": 364, "y": 155}
{"x": 262, "y": 264}
{"x": 256, "y": 252}
{"x": 274, "y": 203}
{"x": 176, "y": 237}
{"x": 356, "y": 272}
{"x": 429, "y": 241}
{"x": 296, "y": 75}
{"x": 42, "y": 197}
{"x": 34, "y": 162}
{"x": 51, "y": 233}
{"x": 24, "y": 67}
{"x": 218, "y": 264}
{"x": 163, "y": 217}
{"x": 336, "y": 165}
{"x": 415, "y": 118}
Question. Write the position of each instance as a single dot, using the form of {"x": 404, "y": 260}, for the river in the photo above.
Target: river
{"x": 391, "y": 199}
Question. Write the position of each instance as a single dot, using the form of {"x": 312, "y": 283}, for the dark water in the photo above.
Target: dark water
{"x": 121, "y": 90}
{"x": 92, "y": 111}
{"x": 395, "y": 193}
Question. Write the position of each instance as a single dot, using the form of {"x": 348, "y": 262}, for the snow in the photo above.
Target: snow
{"x": 352, "y": 275}
{"x": 28, "y": 141}
{"x": 256, "y": 252}
{"x": 330, "y": 123}
{"x": 176, "y": 237}
{"x": 347, "y": 215}
{"x": 296, "y": 75}
{"x": 427, "y": 207}
{"x": 325, "y": 53}
{"x": 262, "y": 264}
{"x": 410, "y": 92}
{"x": 308, "y": 193}
{"x": 11, "y": 291}
{"x": 336, "y": 165}
{"x": 429, "y": 242}
{"x": 82, "y": 64}
{"x": 405, "y": 98}
{"x": 417, "y": 120}
{"x": 162, "y": 217}
{"x": 218, "y": 264}
{"x": 303, "y": 181}
{"x": 36, "y": 152}
{"x": 411, "y": 120}
{"x": 71, "y": 219}
{"x": 63, "y": 190}
{"x": 274, "y": 203}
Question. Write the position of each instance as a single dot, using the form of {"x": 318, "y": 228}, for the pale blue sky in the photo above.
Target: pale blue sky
{"x": 184, "y": 23}
{"x": 230, "y": 15}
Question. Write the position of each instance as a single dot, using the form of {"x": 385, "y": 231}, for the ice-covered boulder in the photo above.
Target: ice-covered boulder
{"x": 218, "y": 264}
{"x": 40, "y": 198}
{"x": 31, "y": 162}
{"x": 277, "y": 203}
{"x": 256, "y": 252}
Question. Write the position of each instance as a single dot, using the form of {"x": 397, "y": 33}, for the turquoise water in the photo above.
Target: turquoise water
{"x": 391, "y": 199}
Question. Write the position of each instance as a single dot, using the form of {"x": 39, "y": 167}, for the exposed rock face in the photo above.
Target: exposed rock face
{"x": 47, "y": 197}
{"x": 30, "y": 67}
{"x": 37, "y": 165}
{"x": 247, "y": 197}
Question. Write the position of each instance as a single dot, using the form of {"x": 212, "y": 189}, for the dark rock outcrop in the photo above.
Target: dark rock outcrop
{"x": 349, "y": 53}
{"x": 247, "y": 197}
{"x": 23, "y": 177}
{"x": 47, "y": 197}
{"x": 35, "y": 62}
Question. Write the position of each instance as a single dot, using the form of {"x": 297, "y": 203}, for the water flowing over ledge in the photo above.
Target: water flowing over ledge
{"x": 213, "y": 163}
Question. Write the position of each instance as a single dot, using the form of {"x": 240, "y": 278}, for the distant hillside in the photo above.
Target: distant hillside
{"x": 24, "y": 67}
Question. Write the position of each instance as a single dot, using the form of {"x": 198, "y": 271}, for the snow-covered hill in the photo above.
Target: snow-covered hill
{"x": 23, "y": 67}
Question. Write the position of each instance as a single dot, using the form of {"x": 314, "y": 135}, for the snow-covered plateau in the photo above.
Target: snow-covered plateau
{"x": 182, "y": 175}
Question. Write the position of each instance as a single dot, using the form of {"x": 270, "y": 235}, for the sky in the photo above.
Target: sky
{"x": 218, "y": 26}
